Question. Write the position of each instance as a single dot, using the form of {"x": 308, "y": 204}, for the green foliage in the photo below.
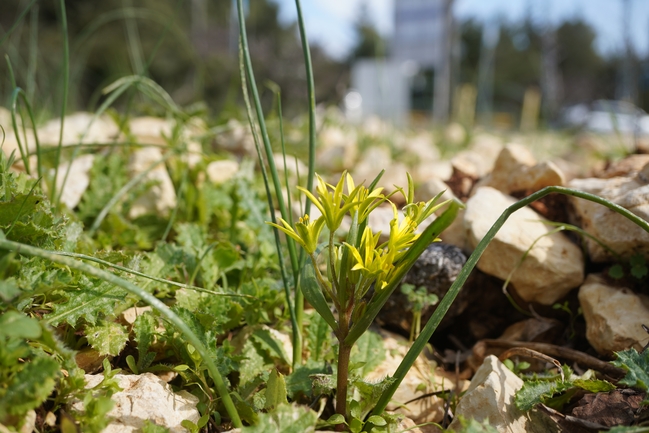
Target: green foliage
{"x": 107, "y": 338}
{"x": 285, "y": 419}
{"x": 555, "y": 392}
{"x": 637, "y": 368}
{"x": 637, "y": 267}
{"x": 275, "y": 390}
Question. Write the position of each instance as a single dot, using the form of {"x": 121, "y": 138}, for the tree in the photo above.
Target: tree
{"x": 369, "y": 42}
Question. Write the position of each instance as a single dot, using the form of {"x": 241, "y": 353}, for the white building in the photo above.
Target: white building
{"x": 417, "y": 69}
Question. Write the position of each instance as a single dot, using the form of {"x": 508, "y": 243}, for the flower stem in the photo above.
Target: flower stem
{"x": 344, "y": 352}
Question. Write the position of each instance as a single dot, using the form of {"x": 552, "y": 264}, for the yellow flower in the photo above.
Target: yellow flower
{"x": 332, "y": 204}
{"x": 306, "y": 233}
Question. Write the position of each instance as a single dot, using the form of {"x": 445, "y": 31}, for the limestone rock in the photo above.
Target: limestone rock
{"x": 551, "y": 269}
{"x": 491, "y": 396}
{"x": 221, "y": 171}
{"x": 78, "y": 128}
{"x": 337, "y": 150}
{"x": 613, "y": 315}
{"x": 237, "y": 138}
{"x": 151, "y": 130}
{"x": 161, "y": 197}
{"x": 421, "y": 379}
{"x": 516, "y": 169}
{"x": 614, "y": 230}
{"x": 77, "y": 181}
{"x": 146, "y": 397}
{"x": 479, "y": 159}
{"x": 370, "y": 165}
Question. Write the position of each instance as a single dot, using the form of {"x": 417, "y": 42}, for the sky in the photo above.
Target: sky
{"x": 330, "y": 22}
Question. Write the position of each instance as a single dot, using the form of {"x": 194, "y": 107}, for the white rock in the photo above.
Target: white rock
{"x": 421, "y": 146}
{"x": 161, "y": 197}
{"x": 78, "y": 179}
{"x": 613, "y": 315}
{"x": 614, "y": 230}
{"x": 516, "y": 169}
{"x": 479, "y": 159}
{"x": 293, "y": 166}
{"x": 491, "y": 396}
{"x": 425, "y": 171}
{"x": 337, "y": 149}
{"x": 237, "y": 138}
{"x": 151, "y": 130}
{"x": 78, "y": 128}
{"x": 146, "y": 397}
{"x": 221, "y": 171}
{"x": 552, "y": 268}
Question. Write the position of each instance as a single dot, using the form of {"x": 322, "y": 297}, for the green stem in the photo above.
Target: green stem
{"x": 344, "y": 352}
{"x": 64, "y": 100}
{"x": 154, "y": 302}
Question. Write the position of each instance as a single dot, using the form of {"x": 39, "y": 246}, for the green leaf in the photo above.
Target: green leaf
{"x": 91, "y": 299}
{"x": 473, "y": 426}
{"x": 538, "y": 391}
{"x": 368, "y": 350}
{"x": 594, "y": 385}
{"x": 314, "y": 296}
{"x": 639, "y": 271}
{"x": 144, "y": 329}
{"x": 335, "y": 419}
{"x": 29, "y": 388}
{"x": 299, "y": 381}
{"x": 271, "y": 344}
{"x": 319, "y": 339}
{"x": 377, "y": 420}
{"x": 629, "y": 429}
{"x": 616, "y": 271}
{"x": 275, "y": 390}
{"x": 108, "y": 338}
{"x": 637, "y": 368}
{"x": 285, "y": 419}
{"x": 16, "y": 325}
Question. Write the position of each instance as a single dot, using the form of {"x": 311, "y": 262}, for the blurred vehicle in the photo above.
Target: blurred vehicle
{"x": 607, "y": 117}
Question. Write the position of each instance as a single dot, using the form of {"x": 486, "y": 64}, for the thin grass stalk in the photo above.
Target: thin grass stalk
{"x": 64, "y": 99}
{"x": 122, "y": 191}
{"x": 246, "y": 70}
{"x": 33, "y": 54}
{"x": 261, "y": 121}
{"x": 150, "y": 277}
{"x": 154, "y": 302}
{"x": 453, "y": 291}
{"x": 17, "y": 22}
{"x": 296, "y": 336}
{"x": 23, "y": 152}
{"x": 299, "y": 296}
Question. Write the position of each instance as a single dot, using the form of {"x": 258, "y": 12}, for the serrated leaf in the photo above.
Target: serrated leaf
{"x": 144, "y": 329}
{"x": 538, "y": 391}
{"x": 285, "y": 419}
{"x": 108, "y": 338}
{"x": 91, "y": 300}
{"x": 275, "y": 390}
{"x": 637, "y": 368}
{"x": 320, "y": 337}
{"x": 271, "y": 344}
{"x": 299, "y": 381}
{"x": 594, "y": 385}
{"x": 29, "y": 388}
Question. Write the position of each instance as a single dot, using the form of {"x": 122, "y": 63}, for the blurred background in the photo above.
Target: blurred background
{"x": 503, "y": 64}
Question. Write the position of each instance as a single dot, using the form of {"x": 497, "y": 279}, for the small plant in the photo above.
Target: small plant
{"x": 361, "y": 272}
{"x": 573, "y": 316}
{"x": 637, "y": 267}
{"x": 419, "y": 299}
